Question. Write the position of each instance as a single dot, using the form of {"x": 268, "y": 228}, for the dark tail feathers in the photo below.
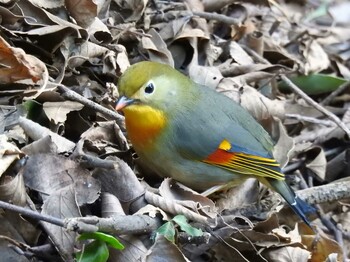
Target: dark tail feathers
{"x": 300, "y": 207}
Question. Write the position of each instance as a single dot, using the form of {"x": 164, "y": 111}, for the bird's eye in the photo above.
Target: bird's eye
{"x": 149, "y": 88}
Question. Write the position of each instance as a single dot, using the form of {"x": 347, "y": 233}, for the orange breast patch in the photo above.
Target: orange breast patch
{"x": 143, "y": 124}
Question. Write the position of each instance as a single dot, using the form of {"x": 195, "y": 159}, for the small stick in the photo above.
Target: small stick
{"x": 71, "y": 95}
{"x": 336, "y": 92}
{"x": 312, "y": 120}
{"x": 303, "y": 95}
{"x": 32, "y": 214}
{"x": 218, "y": 17}
{"x": 320, "y": 108}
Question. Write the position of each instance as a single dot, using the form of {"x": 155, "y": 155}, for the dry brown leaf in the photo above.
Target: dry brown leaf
{"x": 49, "y": 4}
{"x": 84, "y": 52}
{"x": 321, "y": 247}
{"x": 317, "y": 162}
{"x": 36, "y": 132}
{"x": 99, "y": 32}
{"x": 316, "y": 58}
{"x": 206, "y": 76}
{"x": 157, "y": 48}
{"x": 153, "y": 211}
{"x": 246, "y": 193}
{"x": 163, "y": 249}
{"x": 284, "y": 143}
{"x": 136, "y": 6}
{"x": 10, "y": 231}
{"x": 287, "y": 254}
{"x": 57, "y": 111}
{"x": 110, "y": 205}
{"x": 173, "y": 191}
{"x": 61, "y": 204}
{"x": 13, "y": 190}
{"x": 260, "y": 106}
{"x": 83, "y": 11}
{"x": 42, "y": 146}
{"x": 17, "y": 65}
{"x": 173, "y": 28}
{"x": 122, "y": 59}
{"x": 8, "y": 153}
{"x": 46, "y": 173}
{"x": 238, "y": 54}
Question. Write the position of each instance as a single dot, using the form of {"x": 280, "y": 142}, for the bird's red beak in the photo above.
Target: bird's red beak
{"x": 123, "y": 101}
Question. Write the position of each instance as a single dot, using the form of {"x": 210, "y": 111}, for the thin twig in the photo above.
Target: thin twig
{"x": 335, "y": 93}
{"x": 71, "y": 95}
{"x": 312, "y": 120}
{"x": 315, "y": 195}
{"x": 32, "y": 214}
{"x": 302, "y": 94}
{"x": 320, "y": 108}
{"x": 218, "y": 17}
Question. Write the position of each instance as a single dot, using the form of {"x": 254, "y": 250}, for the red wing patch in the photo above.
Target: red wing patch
{"x": 243, "y": 163}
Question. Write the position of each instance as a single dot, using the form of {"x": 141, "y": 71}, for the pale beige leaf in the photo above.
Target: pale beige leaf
{"x": 57, "y": 111}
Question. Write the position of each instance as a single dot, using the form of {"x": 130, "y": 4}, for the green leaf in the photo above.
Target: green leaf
{"x": 95, "y": 251}
{"x": 33, "y": 109}
{"x": 108, "y": 239}
{"x": 314, "y": 84}
{"x": 168, "y": 231}
{"x": 181, "y": 220}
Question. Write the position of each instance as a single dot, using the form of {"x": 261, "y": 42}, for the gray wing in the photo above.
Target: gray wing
{"x": 228, "y": 121}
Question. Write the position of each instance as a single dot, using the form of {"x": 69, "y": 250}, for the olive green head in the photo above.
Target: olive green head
{"x": 153, "y": 84}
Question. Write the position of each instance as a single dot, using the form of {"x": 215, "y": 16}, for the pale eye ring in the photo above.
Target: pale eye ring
{"x": 149, "y": 89}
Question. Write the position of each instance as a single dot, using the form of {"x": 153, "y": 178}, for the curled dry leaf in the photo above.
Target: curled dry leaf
{"x": 284, "y": 143}
{"x": 44, "y": 145}
{"x": 120, "y": 181}
{"x": 173, "y": 191}
{"x": 17, "y": 65}
{"x": 153, "y": 211}
{"x": 57, "y": 111}
{"x": 122, "y": 58}
{"x": 110, "y": 205}
{"x": 157, "y": 48}
{"x": 163, "y": 249}
{"x": 61, "y": 204}
{"x": 83, "y": 11}
{"x": 317, "y": 162}
{"x": 36, "y": 132}
{"x": 244, "y": 194}
{"x": 316, "y": 58}
{"x": 8, "y": 153}
{"x": 84, "y": 52}
{"x": 203, "y": 75}
{"x": 137, "y": 8}
{"x": 286, "y": 254}
{"x": 238, "y": 54}
{"x": 47, "y": 173}
{"x": 321, "y": 246}
{"x": 13, "y": 190}
{"x": 99, "y": 32}
{"x": 258, "y": 105}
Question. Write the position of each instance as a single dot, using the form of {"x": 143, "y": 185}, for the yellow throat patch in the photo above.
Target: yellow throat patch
{"x": 143, "y": 124}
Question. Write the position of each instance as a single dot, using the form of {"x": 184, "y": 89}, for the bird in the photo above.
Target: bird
{"x": 195, "y": 135}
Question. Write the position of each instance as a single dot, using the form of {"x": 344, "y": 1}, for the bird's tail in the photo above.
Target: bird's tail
{"x": 299, "y": 206}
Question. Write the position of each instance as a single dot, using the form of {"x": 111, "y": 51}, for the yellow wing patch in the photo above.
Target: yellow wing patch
{"x": 225, "y": 145}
